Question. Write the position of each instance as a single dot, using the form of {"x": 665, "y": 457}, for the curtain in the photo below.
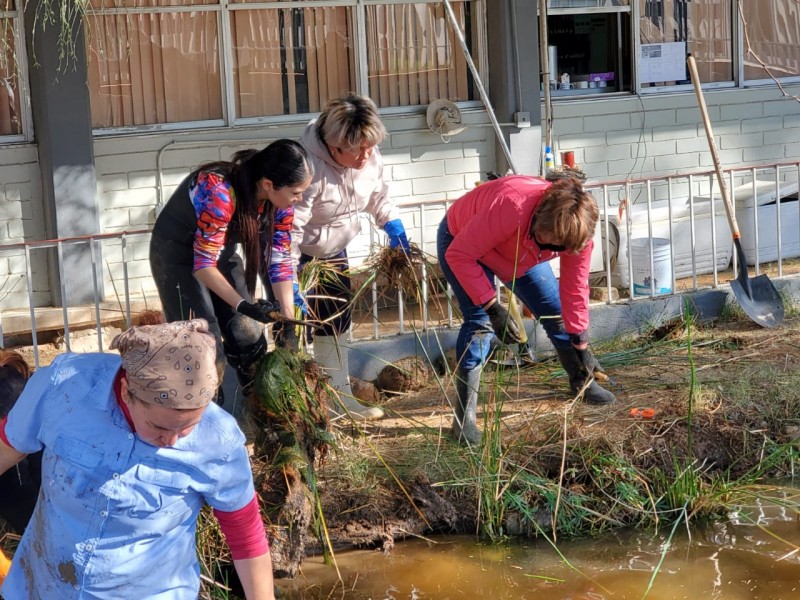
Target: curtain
{"x": 153, "y": 68}
{"x": 293, "y": 60}
{"x": 413, "y": 56}
{"x": 773, "y": 29}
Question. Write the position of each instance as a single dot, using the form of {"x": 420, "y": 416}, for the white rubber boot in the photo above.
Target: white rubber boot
{"x": 333, "y": 360}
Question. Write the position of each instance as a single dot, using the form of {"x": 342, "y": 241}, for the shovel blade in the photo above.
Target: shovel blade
{"x": 517, "y": 357}
{"x": 760, "y": 300}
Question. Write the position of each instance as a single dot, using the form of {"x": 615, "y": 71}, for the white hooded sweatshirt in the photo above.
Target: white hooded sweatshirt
{"x": 327, "y": 218}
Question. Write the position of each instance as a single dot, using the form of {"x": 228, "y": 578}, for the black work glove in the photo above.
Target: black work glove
{"x": 505, "y": 328}
{"x": 590, "y": 363}
{"x": 287, "y": 338}
{"x": 262, "y": 310}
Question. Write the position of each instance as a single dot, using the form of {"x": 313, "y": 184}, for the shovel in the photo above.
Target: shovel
{"x": 518, "y": 355}
{"x": 758, "y": 297}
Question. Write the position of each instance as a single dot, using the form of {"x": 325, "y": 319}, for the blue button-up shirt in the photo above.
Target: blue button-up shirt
{"x": 116, "y": 516}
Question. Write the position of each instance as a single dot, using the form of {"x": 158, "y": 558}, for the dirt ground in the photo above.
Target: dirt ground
{"x": 400, "y": 476}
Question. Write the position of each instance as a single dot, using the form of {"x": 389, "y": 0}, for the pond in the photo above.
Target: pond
{"x": 754, "y": 555}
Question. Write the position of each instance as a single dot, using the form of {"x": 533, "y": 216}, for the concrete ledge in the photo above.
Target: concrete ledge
{"x": 608, "y": 321}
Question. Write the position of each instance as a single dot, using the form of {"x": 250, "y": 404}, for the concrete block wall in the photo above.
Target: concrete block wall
{"x": 419, "y": 165}
{"x": 21, "y": 220}
{"x": 630, "y": 137}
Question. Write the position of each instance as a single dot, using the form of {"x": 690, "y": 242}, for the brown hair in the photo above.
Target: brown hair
{"x": 14, "y": 372}
{"x": 568, "y": 212}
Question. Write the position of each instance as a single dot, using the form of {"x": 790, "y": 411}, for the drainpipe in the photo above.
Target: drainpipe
{"x": 479, "y": 84}
{"x": 544, "y": 58}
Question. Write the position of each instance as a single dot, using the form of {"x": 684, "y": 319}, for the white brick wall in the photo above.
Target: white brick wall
{"x": 21, "y": 220}
{"x": 613, "y": 138}
{"x": 419, "y": 166}
{"x": 665, "y": 132}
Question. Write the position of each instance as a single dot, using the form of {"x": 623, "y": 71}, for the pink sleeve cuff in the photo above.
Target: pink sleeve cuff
{"x": 3, "y": 437}
{"x": 244, "y": 531}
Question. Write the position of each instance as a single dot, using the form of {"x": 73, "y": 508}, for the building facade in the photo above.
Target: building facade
{"x": 101, "y": 120}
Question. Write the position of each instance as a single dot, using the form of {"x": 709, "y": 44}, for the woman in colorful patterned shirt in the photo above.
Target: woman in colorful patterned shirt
{"x": 193, "y": 248}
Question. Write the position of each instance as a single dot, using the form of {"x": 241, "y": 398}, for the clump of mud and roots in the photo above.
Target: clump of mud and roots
{"x": 704, "y": 412}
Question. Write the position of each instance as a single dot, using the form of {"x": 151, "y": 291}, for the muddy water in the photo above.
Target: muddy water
{"x": 754, "y": 556}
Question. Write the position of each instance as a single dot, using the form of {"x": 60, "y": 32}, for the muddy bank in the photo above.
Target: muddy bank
{"x": 725, "y": 405}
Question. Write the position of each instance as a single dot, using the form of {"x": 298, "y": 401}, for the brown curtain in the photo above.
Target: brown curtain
{"x": 146, "y": 69}
{"x": 413, "y": 56}
{"x": 289, "y": 61}
{"x": 705, "y": 26}
{"x": 773, "y": 29}
{"x": 10, "y": 116}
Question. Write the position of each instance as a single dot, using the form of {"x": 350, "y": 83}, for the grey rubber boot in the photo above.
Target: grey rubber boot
{"x": 578, "y": 375}
{"x": 336, "y": 365}
{"x": 465, "y": 428}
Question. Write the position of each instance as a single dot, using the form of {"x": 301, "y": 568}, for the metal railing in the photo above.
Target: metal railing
{"x": 684, "y": 209}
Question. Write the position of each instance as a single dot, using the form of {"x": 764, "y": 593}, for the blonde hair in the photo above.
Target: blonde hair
{"x": 568, "y": 212}
{"x": 350, "y": 121}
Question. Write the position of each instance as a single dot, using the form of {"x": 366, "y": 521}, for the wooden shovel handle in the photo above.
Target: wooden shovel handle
{"x": 513, "y": 310}
{"x": 712, "y": 146}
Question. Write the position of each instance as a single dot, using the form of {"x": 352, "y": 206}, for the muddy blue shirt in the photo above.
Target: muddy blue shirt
{"x": 116, "y": 516}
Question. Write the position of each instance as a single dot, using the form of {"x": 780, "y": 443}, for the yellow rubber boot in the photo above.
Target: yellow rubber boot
{"x": 5, "y": 565}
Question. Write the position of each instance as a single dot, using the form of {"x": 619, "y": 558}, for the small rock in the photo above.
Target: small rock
{"x": 792, "y": 431}
{"x": 365, "y": 391}
{"x": 405, "y": 375}
{"x": 601, "y": 294}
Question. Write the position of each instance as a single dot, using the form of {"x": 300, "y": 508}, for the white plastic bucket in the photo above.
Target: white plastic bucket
{"x": 662, "y": 266}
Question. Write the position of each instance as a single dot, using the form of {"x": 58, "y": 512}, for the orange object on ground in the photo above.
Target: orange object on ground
{"x": 643, "y": 413}
{"x": 5, "y": 565}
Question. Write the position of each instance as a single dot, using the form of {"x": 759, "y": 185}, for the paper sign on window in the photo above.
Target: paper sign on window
{"x": 662, "y": 62}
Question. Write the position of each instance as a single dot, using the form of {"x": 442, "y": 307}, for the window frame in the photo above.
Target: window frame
{"x": 596, "y": 10}
{"x": 17, "y": 17}
{"x": 754, "y": 83}
{"x": 223, "y": 10}
{"x": 736, "y": 55}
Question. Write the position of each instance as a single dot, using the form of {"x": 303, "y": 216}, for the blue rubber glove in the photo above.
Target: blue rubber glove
{"x": 300, "y": 300}
{"x": 397, "y": 234}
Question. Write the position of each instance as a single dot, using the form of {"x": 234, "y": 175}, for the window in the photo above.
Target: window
{"x": 11, "y": 117}
{"x": 413, "y": 56}
{"x": 589, "y": 46}
{"x": 160, "y": 62}
{"x": 670, "y": 30}
{"x": 773, "y": 32}
{"x": 153, "y": 67}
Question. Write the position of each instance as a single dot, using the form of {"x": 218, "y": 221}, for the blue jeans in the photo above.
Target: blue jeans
{"x": 537, "y": 289}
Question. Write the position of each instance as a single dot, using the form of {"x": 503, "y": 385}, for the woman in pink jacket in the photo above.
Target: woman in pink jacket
{"x": 511, "y": 228}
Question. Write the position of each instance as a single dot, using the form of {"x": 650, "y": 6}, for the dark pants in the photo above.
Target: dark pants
{"x": 537, "y": 289}
{"x": 331, "y": 299}
{"x": 19, "y": 490}
{"x": 184, "y": 297}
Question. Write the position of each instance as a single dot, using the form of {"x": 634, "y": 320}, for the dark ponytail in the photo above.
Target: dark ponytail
{"x": 14, "y": 372}
{"x": 285, "y": 163}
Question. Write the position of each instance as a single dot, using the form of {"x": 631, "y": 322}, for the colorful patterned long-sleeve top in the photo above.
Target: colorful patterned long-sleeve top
{"x": 280, "y": 255}
{"x": 214, "y": 203}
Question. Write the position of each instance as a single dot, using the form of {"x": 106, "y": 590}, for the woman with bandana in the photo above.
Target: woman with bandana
{"x": 510, "y": 228}
{"x": 132, "y": 448}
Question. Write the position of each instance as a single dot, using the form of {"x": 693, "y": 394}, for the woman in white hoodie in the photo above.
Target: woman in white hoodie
{"x": 348, "y": 179}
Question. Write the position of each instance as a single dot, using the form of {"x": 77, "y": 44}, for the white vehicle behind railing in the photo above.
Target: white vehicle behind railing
{"x": 667, "y": 220}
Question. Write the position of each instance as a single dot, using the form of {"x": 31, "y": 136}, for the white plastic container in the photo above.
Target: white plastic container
{"x": 656, "y": 278}
{"x": 713, "y": 245}
{"x": 746, "y": 199}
